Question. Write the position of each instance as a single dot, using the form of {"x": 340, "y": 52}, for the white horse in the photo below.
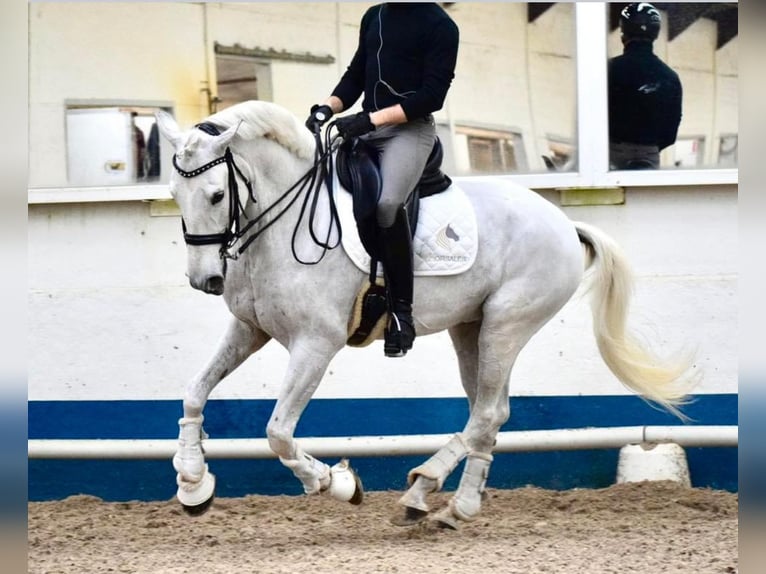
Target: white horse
{"x": 531, "y": 259}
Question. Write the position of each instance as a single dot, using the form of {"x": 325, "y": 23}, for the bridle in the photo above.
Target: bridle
{"x": 321, "y": 171}
{"x": 232, "y": 232}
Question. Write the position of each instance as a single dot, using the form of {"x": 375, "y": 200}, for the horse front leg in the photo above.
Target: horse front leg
{"x": 196, "y": 483}
{"x": 308, "y": 362}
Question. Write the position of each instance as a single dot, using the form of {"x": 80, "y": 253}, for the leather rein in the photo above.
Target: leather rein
{"x": 310, "y": 183}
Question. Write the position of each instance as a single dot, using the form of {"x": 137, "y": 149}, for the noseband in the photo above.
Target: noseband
{"x": 312, "y": 180}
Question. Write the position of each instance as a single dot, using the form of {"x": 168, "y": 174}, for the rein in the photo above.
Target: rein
{"x": 310, "y": 182}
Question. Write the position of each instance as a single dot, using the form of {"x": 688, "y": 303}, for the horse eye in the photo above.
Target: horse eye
{"x": 217, "y": 197}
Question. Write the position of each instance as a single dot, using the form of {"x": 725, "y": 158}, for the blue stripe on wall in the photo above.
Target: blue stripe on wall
{"x": 155, "y": 480}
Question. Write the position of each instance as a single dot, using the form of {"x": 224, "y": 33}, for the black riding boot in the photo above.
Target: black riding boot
{"x": 396, "y": 256}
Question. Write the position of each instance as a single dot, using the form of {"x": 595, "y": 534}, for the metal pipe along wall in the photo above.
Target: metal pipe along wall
{"x": 395, "y": 445}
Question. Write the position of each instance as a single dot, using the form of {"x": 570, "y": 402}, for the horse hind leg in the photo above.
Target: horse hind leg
{"x": 196, "y": 484}
{"x": 430, "y": 476}
{"x": 498, "y": 348}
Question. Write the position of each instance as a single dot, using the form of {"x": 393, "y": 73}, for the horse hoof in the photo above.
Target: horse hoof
{"x": 345, "y": 484}
{"x": 199, "y": 509}
{"x": 445, "y": 520}
{"x": 196, "y": 497}
{"x": 410, "y": 517}
{"x": 358, "y": 497}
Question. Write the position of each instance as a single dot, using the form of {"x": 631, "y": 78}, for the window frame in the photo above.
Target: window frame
{"x": 592, "y": 169}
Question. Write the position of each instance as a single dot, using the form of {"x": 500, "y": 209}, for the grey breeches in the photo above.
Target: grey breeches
{"x": 403, "y": 150}
{"x": 633, "y": 156}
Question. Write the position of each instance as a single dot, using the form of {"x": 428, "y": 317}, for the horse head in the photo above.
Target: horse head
{"x": 202, "y": 186}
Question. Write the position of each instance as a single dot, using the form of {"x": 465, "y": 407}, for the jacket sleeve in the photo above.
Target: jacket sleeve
{"x": 673, "y": 118}
{"x": 439, "y": 70}
{"x": 351, "y": 84}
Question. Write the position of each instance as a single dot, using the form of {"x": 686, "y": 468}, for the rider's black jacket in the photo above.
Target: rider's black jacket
{"x": 406, "y": 55}
{"x": 644, "y": 98}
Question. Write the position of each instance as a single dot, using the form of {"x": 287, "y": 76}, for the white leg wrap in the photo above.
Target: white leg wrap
{"x": 189, "y": 460}
{"x": 440, "y": 465}
{"x": 313, "y": 473}
{"x": 466, "y": 503}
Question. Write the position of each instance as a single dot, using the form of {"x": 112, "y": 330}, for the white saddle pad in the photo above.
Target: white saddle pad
{"x": 445, "y": 241}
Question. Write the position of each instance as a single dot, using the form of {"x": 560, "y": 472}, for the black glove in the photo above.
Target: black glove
{"x": 319, "y": 117}
{"x": 354, "y": 126}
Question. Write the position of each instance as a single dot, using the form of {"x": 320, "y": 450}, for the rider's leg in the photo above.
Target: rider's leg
{"x": 396, "y": 254}
{"x": 403, "y": 151}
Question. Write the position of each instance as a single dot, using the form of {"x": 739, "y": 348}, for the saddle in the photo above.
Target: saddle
{"x": 358, "y": 172}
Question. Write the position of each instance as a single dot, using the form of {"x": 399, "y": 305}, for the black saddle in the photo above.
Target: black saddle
{"x": 358, "y": 171}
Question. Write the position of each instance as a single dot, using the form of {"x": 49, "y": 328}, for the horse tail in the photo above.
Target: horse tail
{"x": 665, "y": 381}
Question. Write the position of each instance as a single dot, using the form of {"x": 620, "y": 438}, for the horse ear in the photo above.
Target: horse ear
{"x": 222, "y": 141}
{"x": 169, "y": 128}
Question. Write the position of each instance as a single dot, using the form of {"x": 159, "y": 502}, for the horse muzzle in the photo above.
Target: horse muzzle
{"x": 212, "y": 284}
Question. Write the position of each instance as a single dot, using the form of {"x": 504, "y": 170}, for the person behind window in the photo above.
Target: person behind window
{"x": 139, "y": 147}
{"x": 644, "y": 94}
{"x": 404, "y": 65}
{"x": 153, "y": 153}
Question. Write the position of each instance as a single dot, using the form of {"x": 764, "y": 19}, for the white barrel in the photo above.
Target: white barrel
{"x": 653, "y": 461}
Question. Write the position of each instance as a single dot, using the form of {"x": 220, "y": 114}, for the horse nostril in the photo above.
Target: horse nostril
{"x": 214, "y": 285}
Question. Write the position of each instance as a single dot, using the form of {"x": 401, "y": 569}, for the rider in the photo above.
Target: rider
{"x": 404, "y": 64}
{"x": 644, "y": 94}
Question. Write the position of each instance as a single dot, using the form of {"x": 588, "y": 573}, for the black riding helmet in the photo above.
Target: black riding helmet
{"x": 640, "y": 20}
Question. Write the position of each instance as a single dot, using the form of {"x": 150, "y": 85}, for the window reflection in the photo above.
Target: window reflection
{"x": 699, "y": 42}
{"x": 112, "y": 145}
{"x": 512, "y": 106}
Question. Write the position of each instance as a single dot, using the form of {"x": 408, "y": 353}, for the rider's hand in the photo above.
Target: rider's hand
{"x": 318, "y": 117}
{"x": 354, "y": 126}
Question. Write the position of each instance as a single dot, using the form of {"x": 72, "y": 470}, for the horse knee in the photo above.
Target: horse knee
{"x": 490, "y": 420}
{"x": 503, "y": 413}
{"x": 280, "y": 440}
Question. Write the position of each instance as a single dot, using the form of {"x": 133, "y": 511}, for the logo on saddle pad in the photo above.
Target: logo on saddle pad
{"x": 444, "y": 236}
{"x": 445, "y": 241}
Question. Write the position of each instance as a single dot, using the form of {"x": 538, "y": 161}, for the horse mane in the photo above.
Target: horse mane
{"x": 269, "y": 120}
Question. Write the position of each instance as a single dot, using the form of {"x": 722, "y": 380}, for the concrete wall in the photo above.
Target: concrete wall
{"x": 112, "y": 317}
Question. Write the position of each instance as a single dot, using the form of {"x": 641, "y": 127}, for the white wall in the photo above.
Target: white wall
{"x": 112, "y": 317}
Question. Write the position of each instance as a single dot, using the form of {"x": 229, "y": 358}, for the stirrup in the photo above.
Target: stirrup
{"x": 398, "y": 336}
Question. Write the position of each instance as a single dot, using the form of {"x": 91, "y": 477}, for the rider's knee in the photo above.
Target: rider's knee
{"x": 387, "y": 209}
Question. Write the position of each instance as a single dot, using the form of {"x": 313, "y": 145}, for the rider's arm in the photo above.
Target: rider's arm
{"x": 390, "y": 115}
{"x": 335, "y": 103}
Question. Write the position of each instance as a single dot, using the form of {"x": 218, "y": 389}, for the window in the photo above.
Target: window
{"x": 240, "y": 79}
{"x": 492, "y": 151}
{"x": 515, "y": 83}
{"x": 688, "y": 152}
{"x": 699, "y": 42}
{"x": 529, "y": 99}
{"x": 727, "y": 150}
{"x": 109, "y": 145}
